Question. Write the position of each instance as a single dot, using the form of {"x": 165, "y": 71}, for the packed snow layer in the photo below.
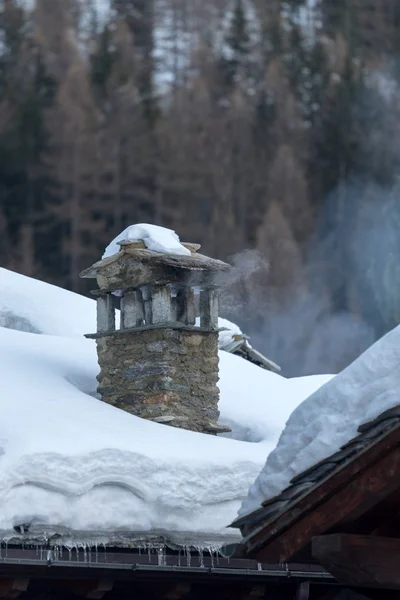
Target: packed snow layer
{"x": 330, "y": 417}
{"x": 68, "y": 459}
{"x": 159, "y": 239}
{"x": 72, "y": 460}
{"x": 256, "y": 403}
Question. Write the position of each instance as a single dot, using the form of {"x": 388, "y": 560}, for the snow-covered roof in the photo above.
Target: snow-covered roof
{"x": 330, "y": 418}
{"x": 232, "y": 339}
{"x": 354, "y": 471}
{"x": 70, "y": 460}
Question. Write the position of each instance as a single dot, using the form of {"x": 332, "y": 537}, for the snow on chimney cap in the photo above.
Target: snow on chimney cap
{"x": 131, "y": 261}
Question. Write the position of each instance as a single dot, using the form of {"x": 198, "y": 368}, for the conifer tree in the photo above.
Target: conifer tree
{"x": 27, "y": 189}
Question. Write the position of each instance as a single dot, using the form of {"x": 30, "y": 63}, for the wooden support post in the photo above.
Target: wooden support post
{"x": 161, "y": 300}
{"x": 209, "y": 309}
{"x": 360, "y": 560}
{"x": 12, "y": 588}
{"x": 132, "y": 309}
{"x": 303, "y": 591}
{"x": 105, "y": 313}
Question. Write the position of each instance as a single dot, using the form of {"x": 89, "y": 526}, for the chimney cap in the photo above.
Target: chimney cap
{"x": 135, "y": 265}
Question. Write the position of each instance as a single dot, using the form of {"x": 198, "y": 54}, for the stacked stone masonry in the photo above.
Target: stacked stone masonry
{"x": 167, "y": 375}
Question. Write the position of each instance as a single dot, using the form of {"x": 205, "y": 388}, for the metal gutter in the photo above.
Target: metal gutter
{"x": 135, "y": 567}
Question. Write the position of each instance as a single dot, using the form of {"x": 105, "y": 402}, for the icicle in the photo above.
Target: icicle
{"x": 160, "y": 557}
{"x": 259, "y": 566}
{"x": 179, "y": 558}
{"x": 188, "y": 556}
{"x": 149, "y": 553}
{"x": 211, "y": 551}
{"x": 96, "y": 552}
{"x": 105, "y": 551}
{"x": 201, "y": 557}
{"x": 6, "y": 547}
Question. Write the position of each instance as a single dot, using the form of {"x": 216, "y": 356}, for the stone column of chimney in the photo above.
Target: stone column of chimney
{"x": 162, "y": 363}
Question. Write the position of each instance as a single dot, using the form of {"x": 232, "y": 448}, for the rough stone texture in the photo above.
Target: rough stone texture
{"x": 162, "y": 373}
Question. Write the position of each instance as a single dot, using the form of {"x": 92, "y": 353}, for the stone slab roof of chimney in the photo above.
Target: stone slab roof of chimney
{"x": 147, "y": 266}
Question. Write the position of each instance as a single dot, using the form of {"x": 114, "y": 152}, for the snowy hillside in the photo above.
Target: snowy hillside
{"x": 68, "y": 459}
{"x": 329, "y": 418}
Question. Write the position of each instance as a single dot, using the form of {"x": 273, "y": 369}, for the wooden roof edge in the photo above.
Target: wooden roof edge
{"x": 331, "y": 459}
{"x": 323, "y": 490}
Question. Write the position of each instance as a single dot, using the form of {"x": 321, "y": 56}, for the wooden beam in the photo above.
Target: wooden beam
{"x": 100, "y": 590}
{"x": 93, "y": 589}
{"x": 331, "y": 594}
{"x": 360, "y": 560}
{"x": 177, "y": 591}
{"x": 12, "y": 588}
{"x": 243, "y": 591}
{"x": 350, "y": 492}
{"x": 255, "y": 592}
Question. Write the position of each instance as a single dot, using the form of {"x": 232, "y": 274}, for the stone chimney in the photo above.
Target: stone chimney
{"x": 162, "y": 363}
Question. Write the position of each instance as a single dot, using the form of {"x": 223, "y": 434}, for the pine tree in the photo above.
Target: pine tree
{"x": 238, "y": 38}
{"x": 235, "y": 62}
{"x": 138, "y": 15}
{"x": 102, "y": 61}
{"x": 27, "y": 188}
